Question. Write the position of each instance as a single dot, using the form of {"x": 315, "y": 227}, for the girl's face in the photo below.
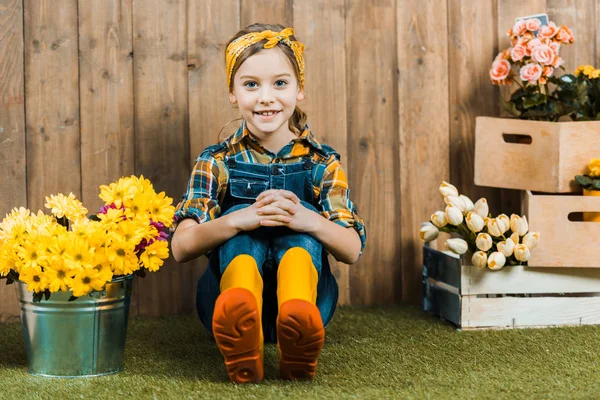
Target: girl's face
{"x": 266, "y": 90}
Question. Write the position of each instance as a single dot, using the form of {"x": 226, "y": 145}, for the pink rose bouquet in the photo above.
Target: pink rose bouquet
{"x": 531, "y": 62}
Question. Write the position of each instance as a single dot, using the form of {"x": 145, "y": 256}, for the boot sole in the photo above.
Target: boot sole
{"x": 300, "y": 335}
{"x": 236, "y": 327}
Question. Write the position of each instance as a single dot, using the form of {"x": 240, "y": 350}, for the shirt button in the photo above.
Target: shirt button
{"x": 274, "y": 170}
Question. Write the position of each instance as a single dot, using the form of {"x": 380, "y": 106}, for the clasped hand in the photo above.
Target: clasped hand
{"x": 276, "y": 207}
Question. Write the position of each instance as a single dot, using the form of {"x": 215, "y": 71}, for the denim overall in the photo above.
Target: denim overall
{"x": 266, "y": 244}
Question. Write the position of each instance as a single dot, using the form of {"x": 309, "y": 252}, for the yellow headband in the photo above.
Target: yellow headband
{"x": 240, "y": 44}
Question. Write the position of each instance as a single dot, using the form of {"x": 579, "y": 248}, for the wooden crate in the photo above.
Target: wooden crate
{"x": 563, "y": 242}
{"x": 533, "y": 155}
{"x": 513, "y": 297}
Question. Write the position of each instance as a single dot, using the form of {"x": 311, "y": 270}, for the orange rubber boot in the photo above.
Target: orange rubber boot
{"x": 236, "y": 320}
{"x": 300, "y": 332}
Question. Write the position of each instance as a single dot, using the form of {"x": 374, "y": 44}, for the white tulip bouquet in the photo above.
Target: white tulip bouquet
{"x": 493, "y": 242}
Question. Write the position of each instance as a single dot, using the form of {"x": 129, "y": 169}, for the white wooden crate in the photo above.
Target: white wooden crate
{"x": 544, "y": 156}
{"x": 513, "y": 297}
{"x": 563, "y": 242}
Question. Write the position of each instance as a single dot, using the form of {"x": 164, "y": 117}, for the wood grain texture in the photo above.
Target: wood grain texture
{"x": 574, "y": 243}
{"x": 106, "y": 95}
{"x": 52, "y": 99}
{"x": 371, "y": 87}
{"x": 266, "y": 12}
{"x": 210, "y": 26}
{"x": 580, "y": 17}
{"x": 515, "y": 312}
{"x": 13, "y": 185}
{"x": 422, "y": 51}
{"x": 470, "y": 49}
{"x": 161, "y": 131}
{"x": 320, "y": 25}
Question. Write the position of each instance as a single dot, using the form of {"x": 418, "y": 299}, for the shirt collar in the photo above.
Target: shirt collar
{"x": 306, "y": 135}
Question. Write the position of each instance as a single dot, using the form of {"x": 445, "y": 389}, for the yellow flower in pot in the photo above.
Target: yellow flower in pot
{"x": 74, "y": 273}
{"x": 590, "y": 183}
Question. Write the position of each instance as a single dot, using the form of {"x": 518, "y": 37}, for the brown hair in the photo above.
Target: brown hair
{"x": 298, "y": 119}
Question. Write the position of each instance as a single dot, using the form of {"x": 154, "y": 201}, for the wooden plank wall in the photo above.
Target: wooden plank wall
{"x": 92, "y": 90}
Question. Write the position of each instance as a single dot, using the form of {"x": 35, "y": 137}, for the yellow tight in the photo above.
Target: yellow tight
{"x": 242, "y": 272}
{"x": 300, "y": 332}
{"x": 297, "y": 277}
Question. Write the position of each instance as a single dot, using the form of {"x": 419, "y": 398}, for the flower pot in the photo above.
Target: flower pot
{"x": 591, "y": 216}
{"x": 84, "y": 337}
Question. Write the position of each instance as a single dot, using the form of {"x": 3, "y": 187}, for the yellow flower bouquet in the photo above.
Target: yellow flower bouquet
{"x": 67, "y": 251}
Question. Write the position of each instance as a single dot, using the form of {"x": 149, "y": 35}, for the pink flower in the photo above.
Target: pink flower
{"x": 543, "y": 54}
{"x": 558, "y": 62}
{"x": 500, "y": 70}
{"x": 532, "y": 44}
{"x": 519, "y": 28}
{"x": 554, "y": 46}
{"x": 533, "y": 24}
{"x": 547, "y": 71}
{"x": 518, "y": 52}
{"x": 531, "y": 72}
{"x": 565, "y": 35}
{"x": 504, "y": 54}
{"x": 547, "y": 31}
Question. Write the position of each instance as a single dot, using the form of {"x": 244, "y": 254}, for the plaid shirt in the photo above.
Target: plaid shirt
{"x": 208, "y": 182}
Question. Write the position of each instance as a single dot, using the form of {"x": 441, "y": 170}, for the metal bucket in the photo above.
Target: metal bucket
{"x": 84, "y": 337}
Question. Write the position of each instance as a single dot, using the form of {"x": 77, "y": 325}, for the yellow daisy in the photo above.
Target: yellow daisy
{"x": 116, "y": 192}
{"x": 66, "y": 206}
{"x": 34, "y": 278}
{"x": 78, "y": 254}
{"x": 59, "y": 276}
{"x": 154, "y": 255}
{"x": 86, "y": 280}
{"x": 161, "y": 209}
{"x": 102, "y": 265}
{"x": 121, "y": 255}
{"x": 32, "y": 254}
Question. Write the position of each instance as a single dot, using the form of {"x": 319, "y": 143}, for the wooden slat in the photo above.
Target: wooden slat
{"x": 520, "y": 279}
{"x": 320, "y": 25}
{"x": 13, "y": 187}
{"x": 266, "y": 12}
{"x": 52, "y": 99}
{"x": 580, "y": 17}
{"x": 471, "y": 92}
{"x": 210, "y": 26}
{"x": 422, "y": 53}
{"x": 106, "y": 93}
{"x": 441, "y": 302}
{"x": 515, "y": 312}
{"x": 161, "y": 131}
{"x": 371, "y": 74}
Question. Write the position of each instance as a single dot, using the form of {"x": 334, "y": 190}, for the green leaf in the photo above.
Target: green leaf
{"x": 583, "y": 180}
{"x": 596, "y": 184}
{"x": 534, "y": 100}
{"x": 37, "y": 297}
{"x": 94, "y": 217}
{"x": 72, "y": 298}
{"x": 47, "y": 294}
{"x": 510, "y": 107}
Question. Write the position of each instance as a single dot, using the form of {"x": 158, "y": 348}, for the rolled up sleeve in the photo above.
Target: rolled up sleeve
{"x": 335, "y": 201}
{"x": 201, "y": 198}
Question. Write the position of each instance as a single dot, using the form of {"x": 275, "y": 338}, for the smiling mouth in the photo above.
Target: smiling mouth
{"x": 266, "y": 113}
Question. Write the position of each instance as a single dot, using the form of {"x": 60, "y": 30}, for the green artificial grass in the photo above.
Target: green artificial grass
{"x": 369, "y": 353}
